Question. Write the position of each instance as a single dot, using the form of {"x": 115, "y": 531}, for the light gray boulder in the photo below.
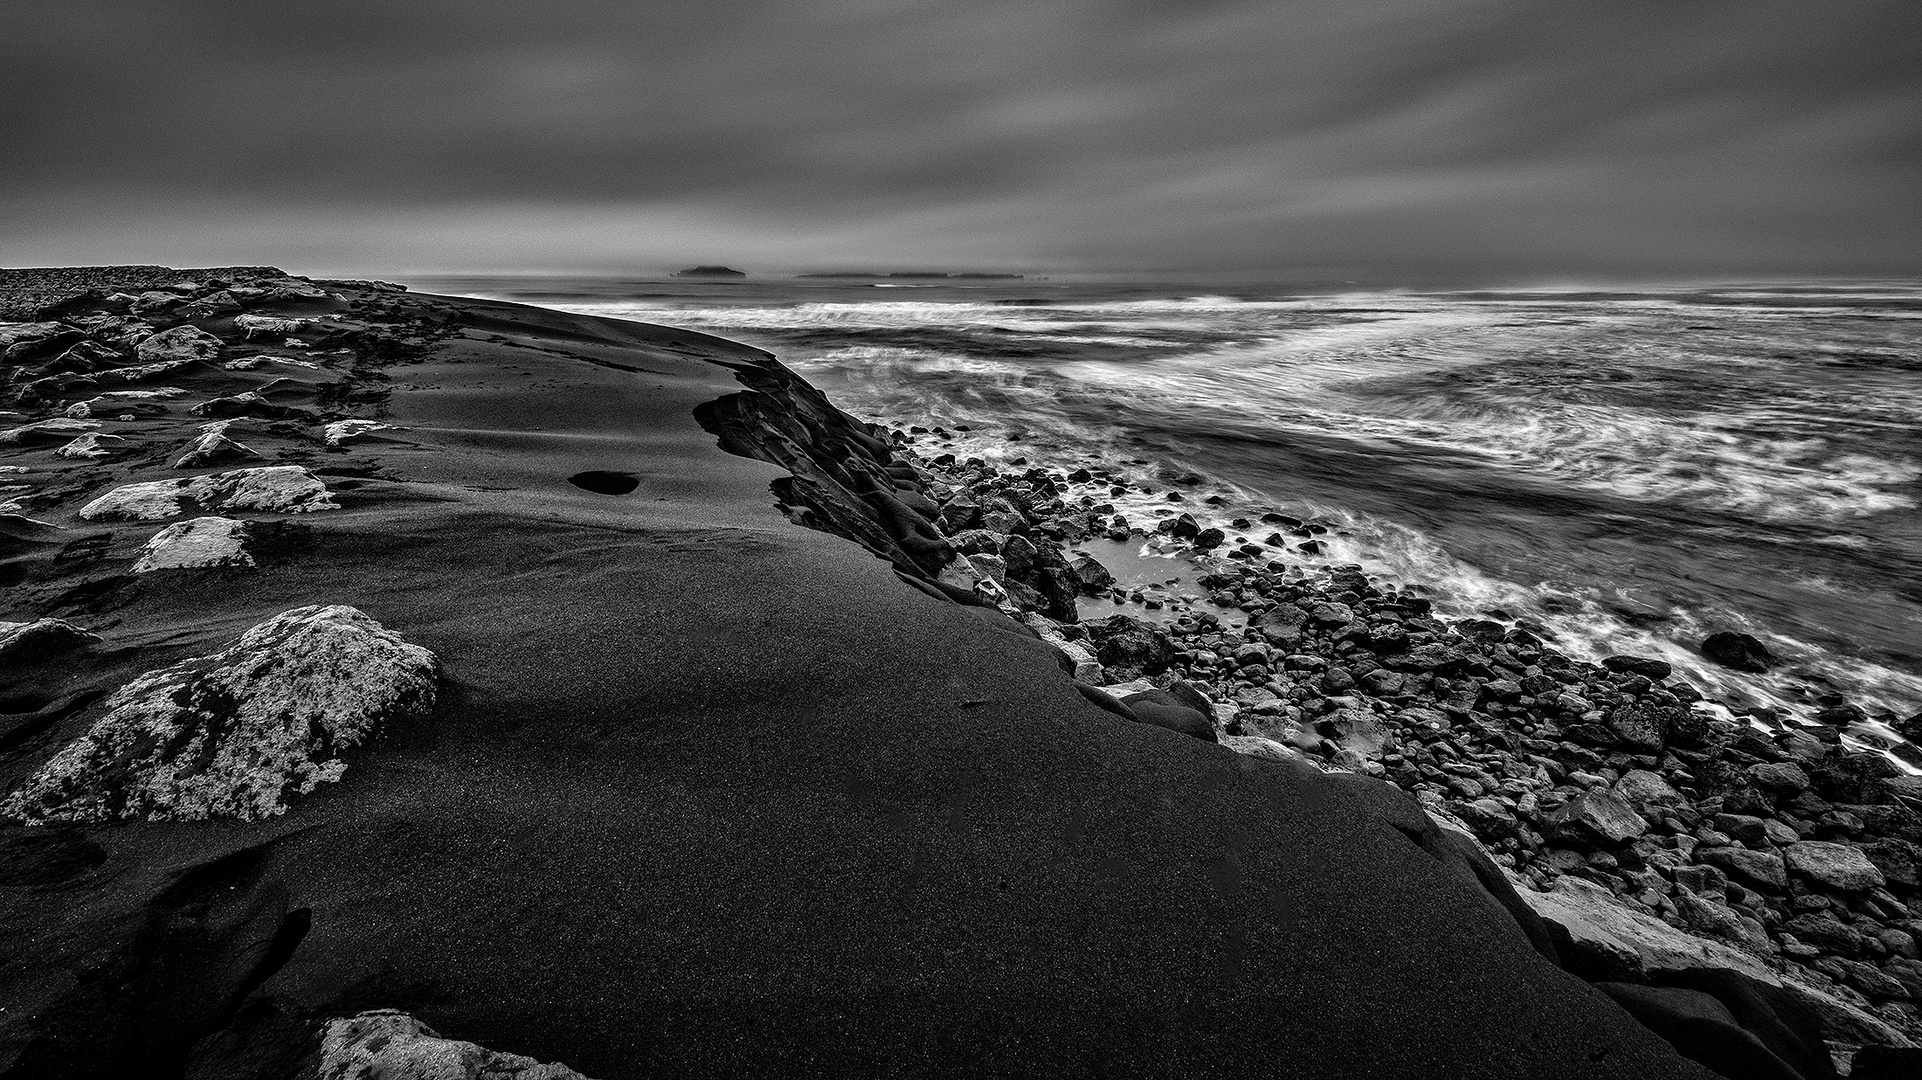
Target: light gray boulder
{"x": 201, "y": 543}
{"x": 178, "y": 344}
{"x": 253, "y": 325}
{"x": 1839, "y": 866}
{"x": 58, "y": 429}
{"x": 340, "y": 431}
{"x": 214, "y": 448}
{"x": 93, "y": 446}
{"x": 276, "y": 489}
{"x": 385, "y": 1044}
{"x": 1628, "y": 944}
{"x": 238, "y": 733}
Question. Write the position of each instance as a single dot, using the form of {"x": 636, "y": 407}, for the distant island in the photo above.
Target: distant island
{"x": 911, "y": 274}
{"x": 710, "y": 271}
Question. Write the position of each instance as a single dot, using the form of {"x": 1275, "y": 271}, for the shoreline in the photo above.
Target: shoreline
{"x": 693, "y": 773}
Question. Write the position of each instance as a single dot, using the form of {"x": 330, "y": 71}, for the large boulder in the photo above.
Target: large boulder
{"x": 202, "y": 543}
{"x": 1763, "y": 869}
{"x": 391, "y": 1045}
{"x": 188, "y": 343}
{"x": 1597, "y": 819}
{"x": 1839, "y": 866}
{"x": 1643, "y": 729}
{"x": 1646, "y": 666}
{"x": 1738, "y": 651}
{"x": 237, "y": 733}
{"x": 1647, "y": 793}
{"x": 279, "y": 489}
{"x": 1611, "y": 941}
{"x": 213, "y": 448}
{"x": 1130, "y": 648}
{"x": 28, "y": 642}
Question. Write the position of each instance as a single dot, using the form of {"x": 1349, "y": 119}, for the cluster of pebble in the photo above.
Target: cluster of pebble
{"x": 1776, "y": 839}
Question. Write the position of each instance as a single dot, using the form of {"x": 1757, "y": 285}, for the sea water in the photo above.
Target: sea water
{"x": 1632, "y": 468}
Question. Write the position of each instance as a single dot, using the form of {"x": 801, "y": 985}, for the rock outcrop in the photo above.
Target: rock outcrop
{"x": 384, "y": 1044}
{"x": 202, "y": 543}
{"x": 238, "y": 733}
{"x": 275, "y": 489}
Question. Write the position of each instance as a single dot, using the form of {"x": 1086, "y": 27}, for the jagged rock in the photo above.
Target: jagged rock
{"x": 1613, "y": 942}
{"x": 237, "y": 733}
{"x": 1086, "y": 667}
{"x": 1596, "y": 818}
{"x": 201, "y": 543}
{"x": 178, "y": 344}
{"x": 213, "y": 448}
{"x": 58, "y": 429}
{"x": 1487, "y": 818}
{"x": 1783, "y": 776}
{"x": 1647, "y": 793}
{"x": 122, "y": 402}
{"x": 1839, "y": 866}
{"x": 384, "y": 1044}
{"x": 93, "y": 446}
{"x": 1130, "y": 648}
{"x": 341, "y": 431}
{"x": 253, "y": 325}
{"x": 280, "y": 489}
{"x": 1641, "y": 728}
{"x": 1738, "y": 651}
{"x": 26, "y": 642}
{"x": 1760, "y": 868}
{"x": 1260, "y": 746}
{"x": 1093, "y": 576}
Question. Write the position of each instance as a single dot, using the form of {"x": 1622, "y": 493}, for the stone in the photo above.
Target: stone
{"x": 58, "y": 429}
{"x": 180, "y": 343}
{"x": 1738, "y": 651}
{"x": 1487, "y": 818}
{"x": 30, "y": 642}
{"x": 1167, "y": 710}
{"x": 1647, "y": 667}
{"x": 247, "y": 403}
{"x": 1785, "y": 777}
{"x": 1826, "y": 932}
{"x": 93, "y": 446}
{"x": 1710, "y": 919}
{"x": 278, "y": 489}
{"x": 1382, "y": 682}
{"x": 1647, "y": 793}
{"x": 1641, "y": 728}
{"x": 1595, "y": 818}
{"x": 201, "y": 543}
{"x": 214, "y": 448}
{"x": 1093, "y": 576}
{"x": 1760, "y": 868}
{"x": 1357, "y": 732}
{"x": 252, "y": 325}
{"x": 1130, "y": 648}
{"x": 1839, "y": 866}
{"x": 1260, "y": 746}
{"x": 1611, "y": 941}
{"x": 237, "y": 733}
{"x": 391, "y": 1045}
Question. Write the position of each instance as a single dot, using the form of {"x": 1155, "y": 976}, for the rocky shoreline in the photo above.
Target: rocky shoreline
{"x": 197, "y": 813}
{"x": 1594, "y": 785}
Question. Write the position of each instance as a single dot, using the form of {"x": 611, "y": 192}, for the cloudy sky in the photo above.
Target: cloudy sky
{"x": 1414, "y": 138}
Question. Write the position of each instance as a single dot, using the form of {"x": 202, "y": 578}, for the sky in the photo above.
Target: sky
{"x": 1380, "y": 139}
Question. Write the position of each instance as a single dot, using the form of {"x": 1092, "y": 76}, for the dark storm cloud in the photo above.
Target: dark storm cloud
{"x": 1420, "y": 136}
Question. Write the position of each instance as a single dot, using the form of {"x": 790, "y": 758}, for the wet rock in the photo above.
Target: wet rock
{"x": 237, "y": 733}
{"x": 1839, "y": 866}
{"x": 1091, "y": 575}
{"x": 30, "y": 642}
{"x": 384, "y": 1043}
{"x": 1645, "y": 666}
{"x": 1738, "y": 651}
{"x": 279, "y": 489}
{"x": 202, "y": 543}
{"x": 1595, "y": 818}
{"x": 1760, "y": 868}
{"x": 1209, "y": 539}
{"x": 1130, "y": 648}
{"x": 180, "y": 343}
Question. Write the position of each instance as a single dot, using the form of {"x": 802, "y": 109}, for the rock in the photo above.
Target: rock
{"x": 1738, "y": 651}
{"x": 1381, "y": 683}
{"x": 1596, "y": 818}
{"x": 1839, "y": 866}
{"x": 710, "y": 272}
{"x": 1712, "y": 920}
{"x": 181, "y": 343}
{"x": 1166, "y": 710}
{"x": 1899, "y": 860}
{"x": 341, "y": 431}
{"x": 279, "y": 489}
{"x": 1648, "y": 667}
{"x": 1647, "y": 793}
{"x": 253, "y": 325}
{"x": 213, "y": 448}
{"x": 58, "y": 429}
{"x": 1093, "y": 576}
{"x": 1129, "y": 648}
{"x": 1760, "y": 868}
{"x": 1826, "y": 932}
{"x": 93, "y": 446}
{"x": 121, "y": 402}
{"x": 202, "y": 543}
{"x": 237, "y": 733}
{"x": 30, "y": 642}
{"x": 1330, "y": 614}
{"x": 391, "y": 1045}
{"x": 247, "y": 403}
{"x": 1641, "y": 728}
{"x": 1487, "y": 818}
{"x": 1259, "y": 746}
{"x": 1611, "y": 941}
{"x": 1356, "y": 731}
{"x": 1782, "y": 776}
{"x": 1208, "y": 539}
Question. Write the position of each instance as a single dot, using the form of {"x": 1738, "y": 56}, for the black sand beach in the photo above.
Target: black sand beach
{"x": 703, "y": 792}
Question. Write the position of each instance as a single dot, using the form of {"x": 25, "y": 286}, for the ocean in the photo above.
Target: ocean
{"x": 1633, "y": 469}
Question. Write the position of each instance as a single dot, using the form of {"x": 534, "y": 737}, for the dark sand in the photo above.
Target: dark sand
{"x": 711, "y": 794}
